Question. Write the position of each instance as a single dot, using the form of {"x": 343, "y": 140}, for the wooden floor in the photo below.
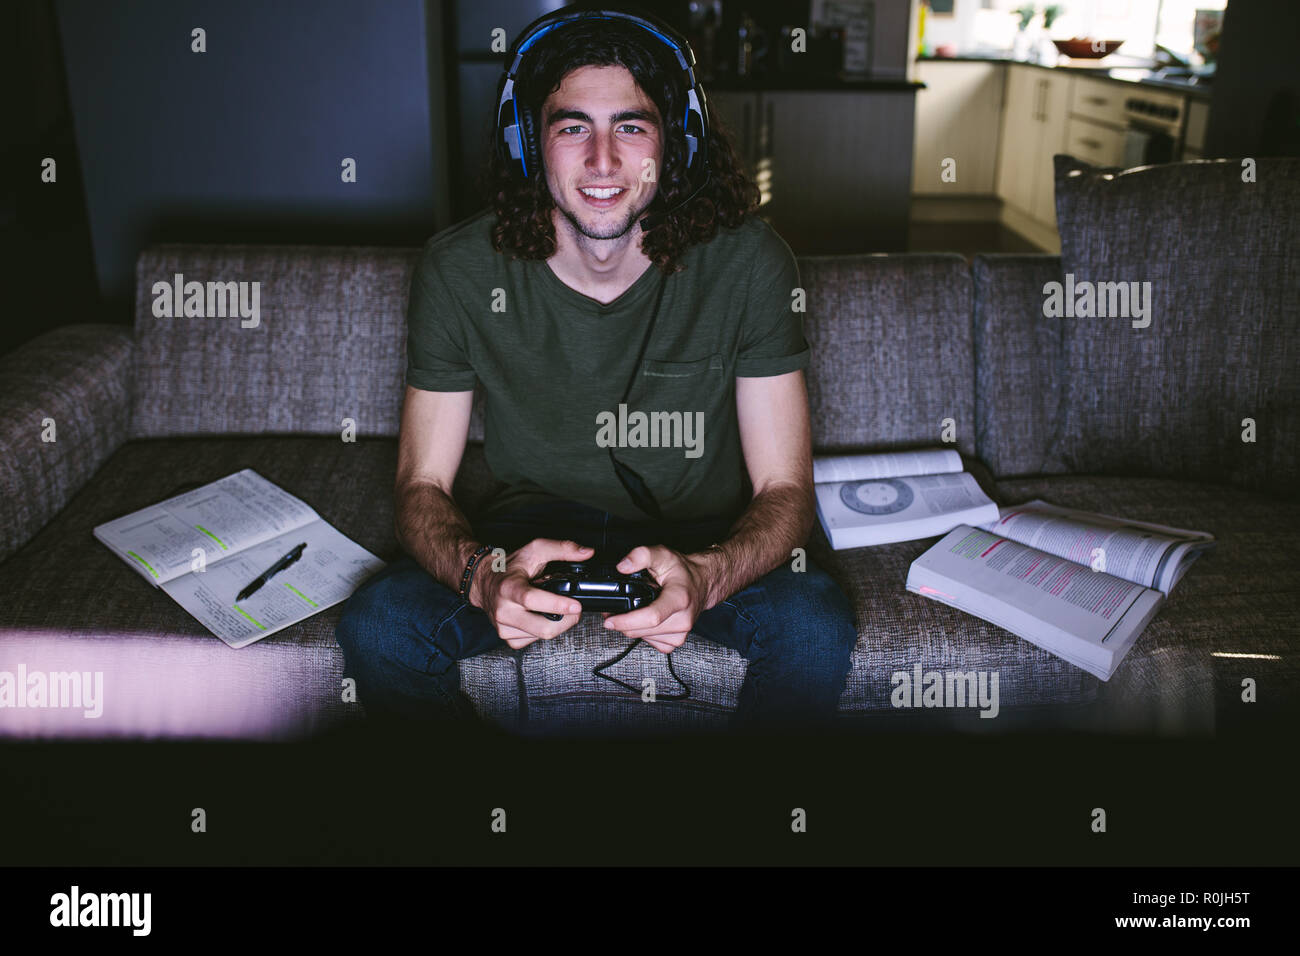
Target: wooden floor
{"x": 967, "y": 238}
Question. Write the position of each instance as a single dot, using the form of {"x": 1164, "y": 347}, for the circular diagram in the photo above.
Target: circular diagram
{"x": 876, "y": 496}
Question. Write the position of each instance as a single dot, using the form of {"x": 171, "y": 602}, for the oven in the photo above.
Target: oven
{"x": 1153, "y": 127}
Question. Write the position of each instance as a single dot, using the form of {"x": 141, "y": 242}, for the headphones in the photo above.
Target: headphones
{"x": 516, "y": 134}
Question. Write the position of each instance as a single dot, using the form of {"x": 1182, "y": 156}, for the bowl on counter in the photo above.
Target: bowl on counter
{"x": 1086, "y": 48}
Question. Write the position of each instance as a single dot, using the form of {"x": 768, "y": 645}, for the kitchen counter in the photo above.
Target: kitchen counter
{"x": 1138, "y": 76}
{"x": 795, "y": 82}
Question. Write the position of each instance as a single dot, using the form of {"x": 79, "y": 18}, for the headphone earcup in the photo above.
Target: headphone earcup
{"x": 695, "y": 129}
{"x": 528, "y": 133}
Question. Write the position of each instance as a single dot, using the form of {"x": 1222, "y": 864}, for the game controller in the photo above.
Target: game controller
{"x": 596, "y": 586}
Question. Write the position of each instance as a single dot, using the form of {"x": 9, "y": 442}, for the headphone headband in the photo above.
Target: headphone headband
{"x": 517, "y": 127}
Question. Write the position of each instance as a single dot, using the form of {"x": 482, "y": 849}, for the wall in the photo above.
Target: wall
{"x": 244, "y": 142}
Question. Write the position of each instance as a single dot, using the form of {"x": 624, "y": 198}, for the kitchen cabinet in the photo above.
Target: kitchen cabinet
{"x": 1101, "y": 101}
{"x": 834, "y": 166}
{"x": 1024, "y": 114}
{"x": 955, "y": 113}
{"x": 1094, "y": 143}
{"x": 1020, "y": 130}
{"x": 1095, "y": 131}
{"x": 1034, "y": 123}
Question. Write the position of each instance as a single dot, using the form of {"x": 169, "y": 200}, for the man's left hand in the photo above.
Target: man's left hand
{"x": 665, "y": 622}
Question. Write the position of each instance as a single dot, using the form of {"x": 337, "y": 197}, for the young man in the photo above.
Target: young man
{"x": 546, "y": 300}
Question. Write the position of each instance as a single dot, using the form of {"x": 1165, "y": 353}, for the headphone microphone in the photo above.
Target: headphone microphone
{"x": 651, "y": 221}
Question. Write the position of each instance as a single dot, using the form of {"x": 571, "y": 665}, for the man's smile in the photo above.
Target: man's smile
{"x": 602, "y": 198}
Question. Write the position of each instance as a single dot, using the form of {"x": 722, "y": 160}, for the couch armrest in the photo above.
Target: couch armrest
{"x": 79, "y": 376}
{"x": 1018, "y": 363}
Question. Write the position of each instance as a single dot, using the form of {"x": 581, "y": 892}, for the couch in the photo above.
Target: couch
{"x": 1089, "y": 413}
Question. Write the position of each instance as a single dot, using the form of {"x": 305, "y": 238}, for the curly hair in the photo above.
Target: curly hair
{"x": 524, "y": 225}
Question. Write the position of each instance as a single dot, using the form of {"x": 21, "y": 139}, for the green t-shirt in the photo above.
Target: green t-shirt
{"x": 554, "y": 363}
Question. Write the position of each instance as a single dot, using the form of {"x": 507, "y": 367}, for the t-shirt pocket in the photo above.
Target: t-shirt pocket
{"x": 677, "y": 404}
{"x": 692, "y": 385}
{"x": 656, "y": 369}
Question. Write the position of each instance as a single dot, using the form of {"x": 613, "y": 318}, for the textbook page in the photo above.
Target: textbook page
{"x": 331, "y": 567}
{"x": 865, "y": 512}
{"x": 889, "y": 464}
{"x": 222, "y": 518}
{"x": 1148, "y": 554}
{"x": 1089, "y": 618}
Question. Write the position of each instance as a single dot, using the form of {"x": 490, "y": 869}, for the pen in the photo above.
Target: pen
{"x": 265, "y": 576}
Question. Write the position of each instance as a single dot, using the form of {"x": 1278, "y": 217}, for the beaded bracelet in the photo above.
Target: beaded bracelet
{"x": 469, "y": 570}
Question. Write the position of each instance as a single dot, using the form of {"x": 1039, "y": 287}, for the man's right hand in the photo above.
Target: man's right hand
{"x": 510, "y": 600}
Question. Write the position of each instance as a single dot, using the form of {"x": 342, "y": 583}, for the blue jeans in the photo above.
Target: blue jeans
{"x": 402, "y": 631}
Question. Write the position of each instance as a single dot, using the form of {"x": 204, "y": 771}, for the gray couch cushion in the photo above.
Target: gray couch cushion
{"x": 71, "y": 603}
{"x": 1239, "y": 599}
{"x": 331, "y": 344}
{"x": 1184, "y": 673}
{"x": 899, "y": 630}
{"x": 1223, "y": 260}
{"x": 565, "y": 697}
{"x": 891, "y": 351}
{"x": 80, "y": 377}
{"x": 167, "y": 675}
{"x": 1018, "y": 362}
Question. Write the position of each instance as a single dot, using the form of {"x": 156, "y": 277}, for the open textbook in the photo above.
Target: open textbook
{"x": 1080, "y": 585}
{"x": 239, "y": 526}
{"x": 896, "y": 496}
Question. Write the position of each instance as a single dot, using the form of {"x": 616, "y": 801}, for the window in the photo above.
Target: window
{"x": 993, "y": 25}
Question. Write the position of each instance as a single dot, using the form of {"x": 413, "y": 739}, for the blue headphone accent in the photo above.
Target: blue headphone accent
{"x": 516, "y": 126}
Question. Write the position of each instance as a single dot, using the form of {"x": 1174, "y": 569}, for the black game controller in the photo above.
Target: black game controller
{"x": 597, "y": 587}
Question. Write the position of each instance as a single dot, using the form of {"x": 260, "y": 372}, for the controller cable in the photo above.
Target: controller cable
{"x": 645, "y": 500}
{"x": 686, "y": 692}
{"x": 634, "y": 484}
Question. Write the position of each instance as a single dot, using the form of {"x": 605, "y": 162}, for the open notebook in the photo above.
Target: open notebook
{"x": 204, "y": 546}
